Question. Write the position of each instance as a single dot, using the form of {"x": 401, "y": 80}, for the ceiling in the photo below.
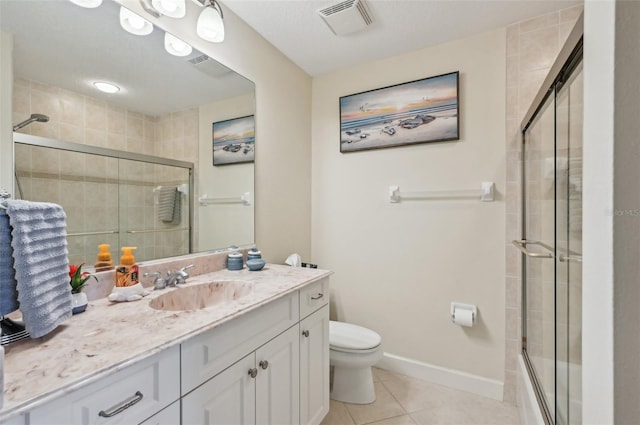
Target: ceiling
{"x": 295, "y": 28}
{"x": 63, "y": 45}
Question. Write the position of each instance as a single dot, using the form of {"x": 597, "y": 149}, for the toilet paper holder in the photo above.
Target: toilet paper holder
{"x": 461, "y": 306}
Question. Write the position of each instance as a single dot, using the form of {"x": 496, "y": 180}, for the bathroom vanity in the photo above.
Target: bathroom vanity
{"x": 258, "y": 352}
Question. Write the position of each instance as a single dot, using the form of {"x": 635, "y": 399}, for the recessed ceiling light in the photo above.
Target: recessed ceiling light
{"x": 87, "y": 3}
{"x": 106, "y": 87}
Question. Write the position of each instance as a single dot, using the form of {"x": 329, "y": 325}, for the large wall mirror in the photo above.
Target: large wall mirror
{"x": 135, "y": 146}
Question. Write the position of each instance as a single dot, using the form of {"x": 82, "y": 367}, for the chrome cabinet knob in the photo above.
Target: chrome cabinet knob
{"x": 264, "y": 364}
{"x": 305, "y": 333}
{"x": 253, "y": 372}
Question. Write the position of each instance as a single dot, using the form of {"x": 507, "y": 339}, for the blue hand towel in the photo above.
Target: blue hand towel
{"x": 8, "y": 290}
{"x": 39, "y": 241}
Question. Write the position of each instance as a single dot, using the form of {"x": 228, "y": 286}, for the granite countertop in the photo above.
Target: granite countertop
{"x": 111, "y": 336}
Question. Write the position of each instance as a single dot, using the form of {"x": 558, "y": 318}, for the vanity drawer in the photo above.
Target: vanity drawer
{"x": 314, "y": 296}
{"x": 127, "y": 397}
{"x": 206, "y": 355}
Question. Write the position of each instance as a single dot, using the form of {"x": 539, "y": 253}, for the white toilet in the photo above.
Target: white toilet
{"x": 353, "y": 350}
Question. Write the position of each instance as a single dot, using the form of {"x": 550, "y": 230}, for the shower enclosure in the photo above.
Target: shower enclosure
{"x": 551, "y": 241}
{"x": 109, "y": 196}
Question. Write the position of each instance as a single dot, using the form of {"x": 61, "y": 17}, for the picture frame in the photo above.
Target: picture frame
{"x": 233, "y": 141}
{"x": 419, "y": 111}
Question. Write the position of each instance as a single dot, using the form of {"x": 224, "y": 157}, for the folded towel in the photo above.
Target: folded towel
{"x": 39, "y": 241}
{"x": 167, "y": 202}
{"x": 8, "y": 290}
{"x": 170, "y": 205}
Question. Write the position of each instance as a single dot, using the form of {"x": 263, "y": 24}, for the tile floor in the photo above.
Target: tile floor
{"x": 401, "y": 400}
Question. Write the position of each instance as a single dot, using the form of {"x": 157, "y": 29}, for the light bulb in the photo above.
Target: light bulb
{"x": 175, "y": 46}
{"x": 210, "y": 26}
{"x": 170, "y": 8}
{"x": 134, "y": 23}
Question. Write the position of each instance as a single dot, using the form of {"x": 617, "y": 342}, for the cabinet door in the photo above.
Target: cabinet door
{"x": 226, "y": 399}
{"x": 314, "y": 367}
{"x": 278, "y": 382}
{"x": 168, "y": 416}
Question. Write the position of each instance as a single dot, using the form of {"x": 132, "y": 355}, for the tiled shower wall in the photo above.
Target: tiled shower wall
{"x": 532, "y": 47}
{"x": 90, "y": 181}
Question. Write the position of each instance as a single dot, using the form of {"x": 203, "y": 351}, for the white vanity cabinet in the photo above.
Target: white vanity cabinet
{"x": 269, "y": 365}
{"x": 261, "y": 388}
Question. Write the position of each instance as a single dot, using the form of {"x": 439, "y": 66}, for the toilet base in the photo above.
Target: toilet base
{"x": 353, "y": 385}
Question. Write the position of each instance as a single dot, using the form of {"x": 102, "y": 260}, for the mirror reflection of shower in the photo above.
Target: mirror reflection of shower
{"x": 32, "y": 118}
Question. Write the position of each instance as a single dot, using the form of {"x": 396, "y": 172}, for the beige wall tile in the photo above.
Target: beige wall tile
{"x": 95, "y": 114}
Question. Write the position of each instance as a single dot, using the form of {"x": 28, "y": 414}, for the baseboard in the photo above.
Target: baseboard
{"x": 442, "y": 376}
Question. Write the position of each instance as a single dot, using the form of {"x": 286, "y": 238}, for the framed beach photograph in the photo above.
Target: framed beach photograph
{"x": 234, "y": 141}
{"x": 420, "y": 111}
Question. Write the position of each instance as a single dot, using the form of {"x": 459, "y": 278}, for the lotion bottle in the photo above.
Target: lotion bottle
{"x": 127, "y": 271}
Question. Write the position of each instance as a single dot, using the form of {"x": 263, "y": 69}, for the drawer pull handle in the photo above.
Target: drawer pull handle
{"x": 317, "y": 297}
{"x": 122, "y": 406}
{"x": 253, "y": 372}
{"x": 264, "y": 364}
{"x": 305, "y": 333}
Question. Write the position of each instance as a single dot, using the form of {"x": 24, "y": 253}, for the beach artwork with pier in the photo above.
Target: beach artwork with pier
{"x": 234, "y": 141}
{"x": 419, "y": 111}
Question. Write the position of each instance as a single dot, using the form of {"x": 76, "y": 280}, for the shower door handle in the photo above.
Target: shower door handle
{"x": 522, "y": 246}
{"x": 570, "y": 258}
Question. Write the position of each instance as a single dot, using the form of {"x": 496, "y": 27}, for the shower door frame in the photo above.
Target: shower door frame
{"x": 569, "y": 58}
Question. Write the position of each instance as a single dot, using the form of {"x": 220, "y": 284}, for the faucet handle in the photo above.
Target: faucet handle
{"x": 182, "y": 275}
{"x": 159, "y": 282}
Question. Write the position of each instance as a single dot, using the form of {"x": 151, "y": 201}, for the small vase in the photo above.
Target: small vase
{"x": 80, "y": 302}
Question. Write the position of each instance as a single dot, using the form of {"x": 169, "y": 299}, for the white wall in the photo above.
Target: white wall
{"x": 597, "y": 272}
{"x": 6, "y": 94}
{"x": 223, "y": 225}
{"x": 283, "y": 128}
{"x": 398, "y": 266}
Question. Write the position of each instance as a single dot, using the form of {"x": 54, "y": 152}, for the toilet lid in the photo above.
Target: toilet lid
{"x": 352, "y": 337}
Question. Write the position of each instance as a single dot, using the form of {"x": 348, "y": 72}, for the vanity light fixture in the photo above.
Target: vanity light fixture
{"x": 175, "y": 46}
{"x": 210, "y": 26}
{"x": 106, "y": 87}
{"x": 134, "y": 23}
{"x": 90, "y": 4}
{"x": 170, "y": 8}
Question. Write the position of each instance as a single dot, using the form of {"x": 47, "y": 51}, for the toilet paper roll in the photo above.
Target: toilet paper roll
{"x": 463, "y": 317}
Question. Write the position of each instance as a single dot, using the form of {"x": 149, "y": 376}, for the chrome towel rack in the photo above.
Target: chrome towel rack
{"x": 244, "y": 199}
{"x": 485, "y": 194}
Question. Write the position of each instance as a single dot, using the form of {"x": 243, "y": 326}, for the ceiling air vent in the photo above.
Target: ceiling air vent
{"x": 346, "y": 17}
{"x": 209, "y": 66}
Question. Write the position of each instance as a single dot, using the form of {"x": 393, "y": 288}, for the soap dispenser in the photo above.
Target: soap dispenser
{"x": 104, "y": 258}
{"x": 127, "y": 271}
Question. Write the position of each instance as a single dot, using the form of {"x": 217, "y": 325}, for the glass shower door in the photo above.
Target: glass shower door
{"x": 569, "y": 114}
{"x": 552, "y": 248}
{"x": 539, "y": 242}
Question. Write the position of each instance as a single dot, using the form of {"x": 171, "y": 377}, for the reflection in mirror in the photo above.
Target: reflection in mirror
{"x": 165, "y": 108}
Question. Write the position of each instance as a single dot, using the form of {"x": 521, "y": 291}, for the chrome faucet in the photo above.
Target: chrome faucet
{"x": 159, "y": 282}
{"x": 178, "y": 277}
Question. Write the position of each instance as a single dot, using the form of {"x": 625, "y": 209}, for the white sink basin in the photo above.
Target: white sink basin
{"x": 201, "y": 296}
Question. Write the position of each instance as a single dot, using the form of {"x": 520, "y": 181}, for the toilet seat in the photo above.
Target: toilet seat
{"x": 349, "y": 338}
